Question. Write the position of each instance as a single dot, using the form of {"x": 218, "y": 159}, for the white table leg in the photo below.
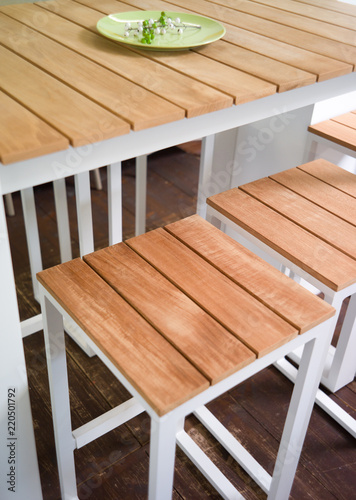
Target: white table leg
{"x": 300, "y": 408}
{"x": 60, "y": 200}
{"x": 115, "y": 202}
{"x": 19, "y": 479}
{"x": 141, "y": 189}
{"x": 59, "y": 390}
{"x": 205, "y": 173}
{"x": 9, "y": 204}
{"x": 84, "y": 213}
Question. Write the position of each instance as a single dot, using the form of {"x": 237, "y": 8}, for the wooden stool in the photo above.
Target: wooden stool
{"x": 340, "y": 131}
{"x": 181, "y": 315}
{"x": 305, "y": 217}
{"x": 334, "y": 140}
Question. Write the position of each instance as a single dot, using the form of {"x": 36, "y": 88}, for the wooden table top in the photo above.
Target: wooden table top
{"x": 62, "y": 83}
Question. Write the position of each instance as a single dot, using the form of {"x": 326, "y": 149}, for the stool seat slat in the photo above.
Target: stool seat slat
{"x": 320, "y": 193}
{"x": 327, "y": 264}
{"x": 152, "y": 365}
{"x": 180, "y": 320}
{"x": 336, "y": 132}
{"x": 348, "y": 119}
{"x": 331, "y": 174}
{"x": 289, "y": 300}
{"x": 254, "y": 324}
{"x": 312, "y": 218}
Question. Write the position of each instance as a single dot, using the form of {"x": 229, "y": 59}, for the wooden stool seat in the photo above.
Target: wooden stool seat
{"x": 340, "y": 130}
{"x": 305, "y": 217}
{"x": 177, "y": 314}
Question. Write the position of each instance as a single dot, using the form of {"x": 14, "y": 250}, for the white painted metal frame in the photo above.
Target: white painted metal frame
{"x": 29, "y": 173}
{"x": 340, "y": 363}
{"x": 168, "y": 430}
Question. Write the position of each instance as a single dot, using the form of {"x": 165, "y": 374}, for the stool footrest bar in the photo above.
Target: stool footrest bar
{"x": 31, "y": 325}
{"x": 236, "y": 450}
{"x": 106, "y": 422}
{"x": 322, "y": 400}
{"x": 207, "y": 467}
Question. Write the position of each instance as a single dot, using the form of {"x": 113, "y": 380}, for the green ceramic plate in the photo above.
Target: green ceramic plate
{"x": 196, "y": 30}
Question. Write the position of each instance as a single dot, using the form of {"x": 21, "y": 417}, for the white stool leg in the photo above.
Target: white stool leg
{"x": 299, "y": 412}
{"x": 141, "y": 189}
{"x": 84, "y": 213}
{"x": 97, "y": 180}
{"x": 205, "y": 173}
{"x": 9, "y": 205}
{"x": 58, "y": 382}
{"x": 115, "y": 203}
{"x": 60, "y": 201}
{"x": 32, "y": 236}
{"x": 343, "y": 367}
{"x": 162, "y": 456}
{"x": 86, "y": 242}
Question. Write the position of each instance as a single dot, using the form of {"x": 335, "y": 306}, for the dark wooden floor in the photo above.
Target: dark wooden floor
{"x": 116, "y": 465}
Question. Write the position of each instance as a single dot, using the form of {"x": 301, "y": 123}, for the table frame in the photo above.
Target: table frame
{"x": 72, "y": 161}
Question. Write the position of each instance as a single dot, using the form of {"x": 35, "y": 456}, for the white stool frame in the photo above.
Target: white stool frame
{"x": 340, "y": 364}
{"x": 168, "y": 430}
{"x": 85, "y": 226}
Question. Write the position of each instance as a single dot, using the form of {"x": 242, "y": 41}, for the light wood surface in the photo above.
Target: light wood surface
{"x": 252, "y": 323}
{"x": 340, "y": 129}
{"x": 295, "y": 304}
{"x": 161, "y": 375}
{"x": 331, "y": 174}
{"x": 307, "y": 220}
{"x": 90, "y": 79}
{"x": 173, "y": 314}
{"x": 22, "y": 133}
{"x": 306, "y": 214}
{"x": 81, "y": 121}
{"x": 153, "y": 317}
{"x": 104, "y": 89}
{"x": 318, "y": 192}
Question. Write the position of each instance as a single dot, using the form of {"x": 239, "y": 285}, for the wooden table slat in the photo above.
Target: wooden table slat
{"x": 150, "y": 363}
{"x": 320, "y": 193}
{"x": 284, "y": 76}
{"x": 286, "y": 18}
{"x": 287, "y": 34}
{"x": 255, "y": 325}
{"x": 23, "y": 135}
{"x": 330, "y": 266}
{"x": 90, "y": 79}
{"x": 332, "y": 5}
{"x": 314, "y": 12}
{"x": 78, "y": 118}
{"x": 305, "y": 213}
{"x": 320, "y": 65}
{"x": 242, "y": 86}
{"x": 303, "y": 309}
{"x": 191, "y": 95}
{"x": 171, "y": 312}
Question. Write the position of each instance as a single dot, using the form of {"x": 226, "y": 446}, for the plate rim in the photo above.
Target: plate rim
{"x": 134, "y": 43}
